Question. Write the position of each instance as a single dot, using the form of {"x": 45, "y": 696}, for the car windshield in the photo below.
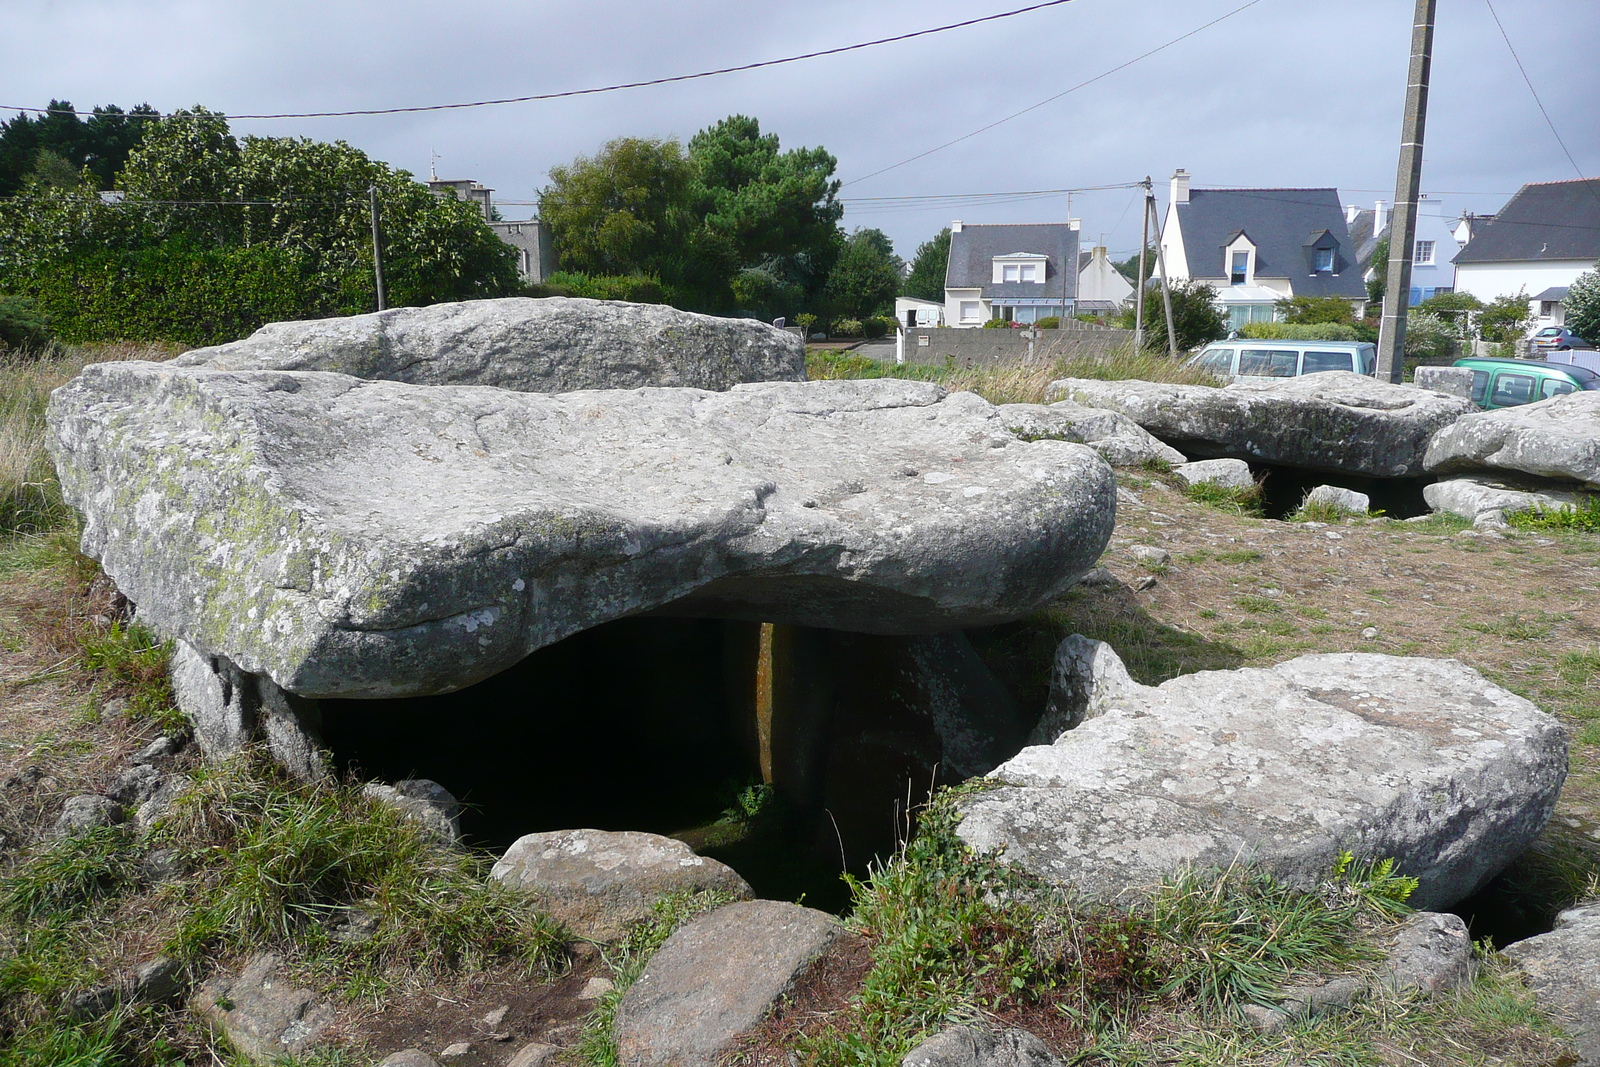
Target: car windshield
{"x": 1549, "y": 331}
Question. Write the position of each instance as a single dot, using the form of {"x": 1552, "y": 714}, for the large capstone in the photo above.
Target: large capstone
{"x": 554, "y": 345}
{"x": 348, "y": 537}
{"x": 1555, "y": 438}
{"x": 1335, "y": 422}
{"x": 1418, "y": 760}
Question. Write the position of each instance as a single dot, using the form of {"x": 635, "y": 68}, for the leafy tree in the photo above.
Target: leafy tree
{"x": 1582, "y": 305}
{"x": 101, "y": 143}
{"x": 1378, "y": 284}
{"x": 928, "y": 268}
{"x": 1129, "y": 268}
{"x": 1316, "y": 309}
{"x": 1458, "y": 309}
{"x": 625, "y": 210}
{"x": 1195, "y": 318}
{"x": 865, "y": 279}
{"x": 1506, "y": 318}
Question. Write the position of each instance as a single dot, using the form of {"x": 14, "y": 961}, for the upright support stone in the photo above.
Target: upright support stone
{"x": 231, "y": 709}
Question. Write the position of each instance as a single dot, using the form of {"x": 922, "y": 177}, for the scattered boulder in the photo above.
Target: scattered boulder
{"x": 975, "y": 1046}
{"x": 1419, "y": 760}
{"x": 158, "y": 749}
{"x": 264, "y": 1016}
{"x": 411, "y": 1057}
{"x": 1555, "y": 438}
{"x": 1340, "y": 499}
{"x": 152, "y": 810}
{"x": 1304, "y": 1001}
{"x": 1150, "y": 555}
{"x": 1430, "y": 953}
{"x": 163, "y": 865}
{"x": 157, "y": 981}
{"x": 1119, "y": 440}
{"x": 455, "y": 1050}
{"x": 1563, "y": 970}
{"x": 425, "y": 801}
{"x": 553, "y": 345}
{"x": 1471, "y": 495}
{"x": 90, "y": 812}
{"x": 535, "y": 1054}
{"x": 94, "y": 1003}
{"x": 375, "y": 539}
{"x": 1226, "y": 473}
{"x": 134, "y": 785}
{"x": 595, "y": 882}
{"x": 1452, "y": 381}
{"x": 1338, "y": 422}
{"x": 715, "y": 978}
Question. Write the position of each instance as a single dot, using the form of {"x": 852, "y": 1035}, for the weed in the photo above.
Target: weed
{"x": 1208, "y": 613}
{"x": 1585, "y": 517}
{"x": 1323, "y": 511}
{"x": 1226, "y": 497}
{"x": 1242, "y": 555}
{"x": 1516, "y": 628}
{"x": 1258, "y": 605}
{"x": 135, "y": 657}
{"x": 66, "y": 876}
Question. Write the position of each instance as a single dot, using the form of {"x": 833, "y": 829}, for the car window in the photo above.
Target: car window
{"x": 1217, "y": 361}
{"x": 1549, "y": 331}
{"x": 1369, "y": 358}
{"x": 1480, "y": 385}
{"x": 1321, "y": 361}
{"x": 1511, "y": 389}
{"x": 1555, "y": 387}
{"x": 1268, "y": 362}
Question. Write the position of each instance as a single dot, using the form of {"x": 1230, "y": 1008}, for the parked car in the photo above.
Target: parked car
{"x": 1246, "y": 358}
{"x": 1557, "y": 339}
{"x": 1505, "y": 383}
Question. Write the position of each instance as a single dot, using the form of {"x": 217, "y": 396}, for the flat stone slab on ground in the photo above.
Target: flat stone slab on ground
{"x": 1563, "y": 969}
{"x": 1419, "y": 760}
{"x": 1226, "y": 473}
{"x": 264, "y": 1016}
{"x": 596, "y": 881}
{"x": 977, "y": 1046}
{"x": 553, "y": 345}
{"x": 1470, "y": 495}
{"x": 352, "y": 538}
{"x": 1120, "y": 440}
{"x": 714, "y": 979}
{"x": 1555, "y": 438}
{"x": 1337, "y": 421}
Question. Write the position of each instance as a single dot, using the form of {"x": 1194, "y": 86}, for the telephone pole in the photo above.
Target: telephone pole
{"x": 377, "y": 248}
{"x": 1403, "y": 230}
{"x": 1138, "y": 296}
{"x": 1166, "y": 290}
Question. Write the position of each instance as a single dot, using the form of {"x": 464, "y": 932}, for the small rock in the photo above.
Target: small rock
{"x": 94, "y": 1003}
{"x": 134, "y": 785}
{"x": 533, "y": 1055}
{"x": 595, "y": 988}
{"x": 1147, "y": 582}
{"x": 1330, "y": 535}
{"x": 972, "y": 1046}
{"x": 164, "y": 865}
{"x": 355, "y": 927}
{"x": 158, "y": 981}
{"x": 460, "y": 1048}
{"x": 1302, "y": 1001}
{"x": 113, "y": 707}
{"x": 1563, "y": 971}
{"x": 1100, "y": 578}
{"x": 23, "y": 779}
{"x": 1150, "y": 555}
{"x": 1342, "y": 499}
{"x": 1492, "y": 519}
{"x": 160, "y": 802}
{"x": 1128, "y": 496}
{"x": 264, "y": 1016}
{"x": 82, "y": 813}
{"x": 1370, "y": 633}
{"x": 411, "y": 1057}
{"x": 160, "y": 748}
{"x": 496, "y": 1017}
{"x": 1227, "y": 473}
{"x": 1432, "y": 952}
{"x": 423, "y": 800}
{"x": 1264, "y": 1019}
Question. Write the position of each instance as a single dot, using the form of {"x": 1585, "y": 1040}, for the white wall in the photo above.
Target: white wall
{"x": 1099, "y": 280}
{"x": 1489, "y": 280}
{"x": 1172, "y": 248}
{"x": 952, "y": 307}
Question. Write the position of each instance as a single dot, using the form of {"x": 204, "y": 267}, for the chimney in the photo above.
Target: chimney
{"x": 1350, "y": 213}
{"x": 955, "y": 227}
{"x": 1380, "y": 216}
{"x": 1180, "y": 186}
{"x": 1073, "y": 224}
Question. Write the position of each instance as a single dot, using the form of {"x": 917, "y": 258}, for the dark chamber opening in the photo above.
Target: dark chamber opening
{"x": 1284, "y": 489}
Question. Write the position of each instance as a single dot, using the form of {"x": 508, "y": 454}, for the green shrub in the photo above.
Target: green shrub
{"x": 1053, "y": 322}
{"x": 1226, "y": 497}
{"x": 633, "y": 288}
{"x": 1300, "y": 331}
{"x": 22, "y": 323}
{"x": 875, "y": 326}
{"x": 998, "y": 324}
{"x": 846, "y": 328}
{"x": 1584, "y": 517}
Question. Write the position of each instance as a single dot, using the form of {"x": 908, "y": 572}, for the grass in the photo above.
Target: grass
{"x": 1585, "y": 517}
{"x": 1323, "y": 511}
{"x": 1226, "y": 497}
{"x": 1014, "y": 383}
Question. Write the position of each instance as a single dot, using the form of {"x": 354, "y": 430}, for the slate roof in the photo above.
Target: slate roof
{"x": 1284, "y": 224}
{"x": 1543, "y": 221}
{"x": 1363, "y": 240}
{"x": 973, "y": 249}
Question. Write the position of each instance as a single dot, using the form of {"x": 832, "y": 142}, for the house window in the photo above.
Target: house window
{"x": 970, "y": 311}
{"x": 1241, "y": 267}
{"x": 1424, "y": 256}
{"x": 1029, "y": 272}
{"x": 1011, "y": 272}
{"x": 1324, "y": 259}
{"x": 1547, "y": 308}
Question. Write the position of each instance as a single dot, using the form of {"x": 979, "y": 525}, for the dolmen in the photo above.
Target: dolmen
{"x": 383, "y": 506}
{"x": 1544, "y": 455}
{"x": 1422, "y": 761}
{"x": 1336, "y": 422}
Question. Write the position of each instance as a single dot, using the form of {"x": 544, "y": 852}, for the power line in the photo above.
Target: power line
{"x": 1058, "y": 96}
{"x": 614, "y": 88}
{"x": 1518, "y": 60}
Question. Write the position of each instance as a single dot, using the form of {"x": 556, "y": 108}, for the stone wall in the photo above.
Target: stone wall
{"x": 979, "y": 347}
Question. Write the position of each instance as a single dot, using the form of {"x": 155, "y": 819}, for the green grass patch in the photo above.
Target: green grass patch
{"x": 1585, "y": 517}
{"x": 1226, "y": 498}
{"x": 1258, "y": 605}
{"x": 1241, "y": 555}
{"x": 1322, "y": 511}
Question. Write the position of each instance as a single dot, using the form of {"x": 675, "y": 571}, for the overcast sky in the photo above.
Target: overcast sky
{"x": 1284, "y": 93}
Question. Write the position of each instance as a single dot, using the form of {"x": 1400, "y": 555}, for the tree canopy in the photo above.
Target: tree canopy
{"x": 213, "y": 237}
{"x": 56, "y": 147}
{"x": 928, "y": 266}
{"x": 1582, "y": 305}
{"x": 865, "y": 278}
{"x": 729, "y": 222}
{"x": 1195, "y": 318}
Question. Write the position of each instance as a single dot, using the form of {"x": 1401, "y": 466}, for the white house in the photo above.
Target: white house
{"x": 1538, "y": 244}
{"x": 1433, "y": 269}
{"x": 912, "y": 312}
{"x": 1020, "y": 272}
{"x": 536, "y": 259}
{"x": 1258, "y": 246}
{"x": 1101, "y": 287}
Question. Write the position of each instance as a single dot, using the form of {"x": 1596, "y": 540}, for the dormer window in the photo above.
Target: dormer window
{"x": 1019, "y": 267}
{"x": 1324, "y": 259}
{"x": 1240, "y": 269}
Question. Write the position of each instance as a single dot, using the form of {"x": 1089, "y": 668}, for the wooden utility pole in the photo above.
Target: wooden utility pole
{"x": 1138, "y": 296}
{"x": 1403, "y": 230}
{"x": 377, "y": 248}
{"x": 1166, "y": 291}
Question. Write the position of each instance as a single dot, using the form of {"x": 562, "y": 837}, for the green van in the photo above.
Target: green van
{"x": 1506, "y": 383}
